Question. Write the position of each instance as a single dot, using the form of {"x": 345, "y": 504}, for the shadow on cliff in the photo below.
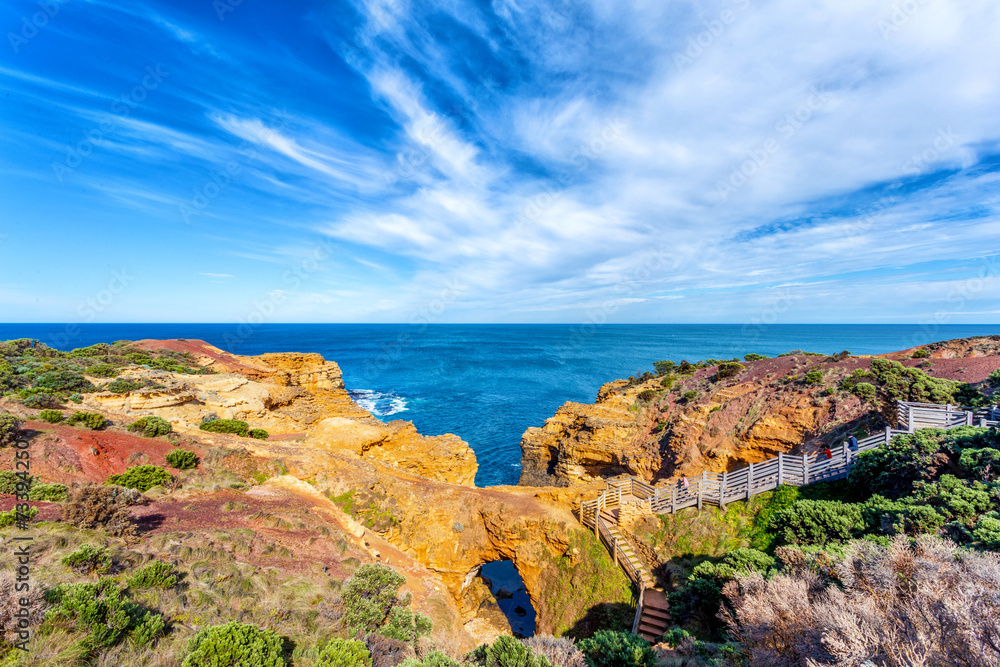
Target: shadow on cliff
{"x": 603, "y": 616}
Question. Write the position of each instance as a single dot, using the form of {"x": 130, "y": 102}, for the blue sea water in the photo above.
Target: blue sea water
{"x": 488, "y": 383}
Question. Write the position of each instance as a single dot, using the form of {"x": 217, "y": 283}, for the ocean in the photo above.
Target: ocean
{"x": 488, "y": 383}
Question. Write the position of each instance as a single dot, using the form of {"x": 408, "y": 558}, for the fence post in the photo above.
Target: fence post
{"x": 750, "y": 482}
{"x": 701, "y": 488}
{"x": 888, "y": 435}
{"x": 982, "y": 422}
{"x": 722, "y": 491}
{"x": 781, "y": 469}
{"x": 909, "y": 421}
{"x": 673, "y": 500}
{"x": 805, "y": 469}
{"x": 968, "y": 419}
{"x": 597, "y": 515}
{"x": 615, "y": 549}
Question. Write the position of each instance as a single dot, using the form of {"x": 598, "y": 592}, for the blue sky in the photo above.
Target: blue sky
{"x": 505, "y": 161}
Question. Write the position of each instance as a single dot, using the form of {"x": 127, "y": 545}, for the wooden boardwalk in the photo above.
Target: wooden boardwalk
{"x": 719, "y": 489}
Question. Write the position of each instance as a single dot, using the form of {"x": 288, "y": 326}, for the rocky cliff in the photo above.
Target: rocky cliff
{"x": 703, "y": 422}
{"x": 288, "y": 394}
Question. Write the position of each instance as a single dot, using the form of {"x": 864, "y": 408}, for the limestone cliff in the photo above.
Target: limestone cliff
{"x": 287, "y": 394}
{"x": 707, "y": 423}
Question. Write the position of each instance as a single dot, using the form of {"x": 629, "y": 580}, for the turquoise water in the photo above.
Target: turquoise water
{"x": 488, "y": 383}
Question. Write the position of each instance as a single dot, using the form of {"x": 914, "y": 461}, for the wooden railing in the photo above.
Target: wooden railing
{"x": 720, "y": 489}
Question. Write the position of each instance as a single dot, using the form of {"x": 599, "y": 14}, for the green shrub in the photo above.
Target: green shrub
{"x": 815, "y": 376}
{"x": 343, "y": 653}
{"x": 51, "y": 416}
{"x": 994, "y": 379}
{"x": 53, "y": 493}
{"x": 865, "y": 391}
{"x": 753, "y": 356}
{"x": 818, "y": 522}
{"x": 372, "y": 604}
{"x": 62, "y": 381}
{"x": 608, "y": 648}
{"x": 259, "y": 434}
{"x": 9, "y": 428}
{"x": 890, "y": 517}
{"x": 141, "y": 478}
{"x": 102, "y": 611}
{"x": 235, "y": 644}
{"x": 730, "y": 369}
{"x": 76, "y": 398}
{"x": 89, "y": 559}
{"x": 91, "y": 420}
{"x": 689, "y": 395}
{"x": 10, "y": 480}
{"x": 921, "y": 354}
{"x": 182, "y": 459}
{"x": 505, "y": 652}
{"x": 234, "y": 426}
{"x": 123, "y": 386}
{"x": 151, "y": 426}
{"x": 432, "y": 659}
{"x": 646, "y": 395}
{"x": 102, "y": 370}
{"x": 155, "y": 574}
{"x": 987, "y": 532}
{"x": 42, "y": 401}
{"x": 9, "y": 518}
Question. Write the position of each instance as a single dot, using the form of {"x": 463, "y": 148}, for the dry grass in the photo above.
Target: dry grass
{"x": 906, "y": 605}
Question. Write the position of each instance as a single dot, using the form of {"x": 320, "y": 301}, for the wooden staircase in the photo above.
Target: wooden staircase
{"x": 625, "y": 549}
{"x": 654, "y": 617}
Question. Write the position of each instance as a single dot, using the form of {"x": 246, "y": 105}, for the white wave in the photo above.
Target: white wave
{"x": 378, "y": 403}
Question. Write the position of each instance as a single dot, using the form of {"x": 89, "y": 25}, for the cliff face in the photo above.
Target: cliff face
{"x": 287, "y": 394}
{"x": 724, "y": 424}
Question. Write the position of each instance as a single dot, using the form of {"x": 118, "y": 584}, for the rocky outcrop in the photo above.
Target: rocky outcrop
{"x": 286, "y": 394}
{"x": 713, "y": 424}
{"x": 444, "y": 457}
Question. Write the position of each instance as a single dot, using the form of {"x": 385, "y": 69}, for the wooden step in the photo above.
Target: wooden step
{"x": 653, "y": 612}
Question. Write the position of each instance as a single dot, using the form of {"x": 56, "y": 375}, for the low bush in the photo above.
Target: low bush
{"x": 910, "y": 598}
{"x": 62, "y": 381}
{"x": 815, "y": 376}
{"x": 53, "y": 493}
{"x": 646, "y": 395}
{"x": 372, "y": 604}
{"x": 91, "y": 420}
{"x": 343, "y": 653}
{"x": 89, "y": 559}
{"x": 103, "y": 612}
{"x": 10, "y": 517}
{"x": 689, "y": 395}
{"x": 123, "y": 386}
{"x": 730, "y": 369}
{"x": 432, "y": 659}
{"x": 105, "y": 507}
{"x": 921, "y": 354}
{"x": 155, "y": 574}
{"x": 387, "y": 652}
{"x": 102, "y": 370}
{"x": 560, "y": 651}
{"x": 608, "y": 648}
{"x": 753, "y": 356}
{"x": 258, "y": 434}
{"x": 141, "y": 478}
{"x": 42, "y": 401}
{"x": 51, "y": 416}
{"x": 9, "y": 428}
{"x": 505, "y": 652}
{"x": 235, "y": 644}
{"x": 151, "y": 426}
{"x": 818, "y": 522}
{"x": 182, "y": 459}
{"x": 234, "y": 426}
